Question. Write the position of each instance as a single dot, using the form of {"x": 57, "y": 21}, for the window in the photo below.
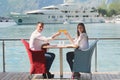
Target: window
{"x": 76, "y": 16}
{"x": 48, "y": 17}
{"x": 85, "y": 16}
{"x": 61, "y": 16}
{"x": 53, "y": 16}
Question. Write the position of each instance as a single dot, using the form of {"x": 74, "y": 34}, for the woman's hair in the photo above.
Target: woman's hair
{"x": 84, "y": 30}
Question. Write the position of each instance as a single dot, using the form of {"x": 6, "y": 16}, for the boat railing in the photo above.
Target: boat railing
{"x": 4, "y": 41}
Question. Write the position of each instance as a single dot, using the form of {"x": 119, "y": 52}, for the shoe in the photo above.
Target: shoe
{"x": 49, "y": 75}
{"x": 76, "y": 75}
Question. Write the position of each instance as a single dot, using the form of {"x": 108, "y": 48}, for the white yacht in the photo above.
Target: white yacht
{"x": 69, "y": 12}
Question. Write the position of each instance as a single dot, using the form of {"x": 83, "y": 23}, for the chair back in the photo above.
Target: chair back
{"x": 36, "y": 58}
{"x": 82, "y": 59}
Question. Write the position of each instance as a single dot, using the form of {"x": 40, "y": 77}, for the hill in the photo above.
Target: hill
{"x": 7, "y": 6}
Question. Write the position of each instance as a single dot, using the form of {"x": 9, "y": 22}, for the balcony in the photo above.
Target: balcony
{"x": 105, "y": 61}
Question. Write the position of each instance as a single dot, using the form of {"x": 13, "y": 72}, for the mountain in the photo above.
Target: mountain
{"x": 7, "y": 6}
{"x": 3, "y": 8}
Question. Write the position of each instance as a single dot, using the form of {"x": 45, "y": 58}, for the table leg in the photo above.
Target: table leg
{"x": 61, "y": 63}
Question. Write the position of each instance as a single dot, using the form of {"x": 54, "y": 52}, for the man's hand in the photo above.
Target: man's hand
{"x": 56, "y": 34}
{"x": 45, "y": 45}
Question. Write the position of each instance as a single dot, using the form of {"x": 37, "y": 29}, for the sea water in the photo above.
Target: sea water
{"x": 16, "y": 59}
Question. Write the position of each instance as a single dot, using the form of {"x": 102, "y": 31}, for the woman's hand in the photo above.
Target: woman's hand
{"x": 66, "y": 33}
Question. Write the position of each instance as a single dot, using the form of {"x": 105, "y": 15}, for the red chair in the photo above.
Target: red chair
{"x": 36, "y": 58}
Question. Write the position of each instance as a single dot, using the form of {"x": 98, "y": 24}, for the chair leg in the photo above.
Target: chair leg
{"x": 30, "y": 76}
{"x": 46, "y": 75}
{"x": 90, "y": 76}
{"x": 72, "y": 76}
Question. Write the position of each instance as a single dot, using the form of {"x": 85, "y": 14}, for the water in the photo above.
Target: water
{"x": 17, "y": 59}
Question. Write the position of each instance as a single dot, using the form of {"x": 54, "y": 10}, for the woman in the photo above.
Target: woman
{"x": 81, "y": 41}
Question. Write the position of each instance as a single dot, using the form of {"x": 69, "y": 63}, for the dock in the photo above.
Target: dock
{"x": 67, "y": 76}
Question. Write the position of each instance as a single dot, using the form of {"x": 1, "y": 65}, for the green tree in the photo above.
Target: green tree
{"x": 102, "y": 12}
{"x": 111, "y": 13}
{"x": 115, "y": 6}
{"x": 110, "y": 9}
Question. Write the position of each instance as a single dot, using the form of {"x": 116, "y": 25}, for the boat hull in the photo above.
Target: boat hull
{"x": 23, "y": 19}
{"x": 33, "y": 19}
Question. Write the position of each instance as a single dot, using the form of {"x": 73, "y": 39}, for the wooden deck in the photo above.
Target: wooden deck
{"x": 67, "y": 76}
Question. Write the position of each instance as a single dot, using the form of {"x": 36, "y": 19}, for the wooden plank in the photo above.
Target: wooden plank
{"x": 106, "y": 77}
{"x": 2, "y": 75}
{"x": 98, "y": 76}
{"x": 6, "y": 77}
{"x": 25, "y": 77}
{"x": 18, "y": 76}
{"x": 114, "y": 76}
{"x": 95, "y": 76}
{"x": 14, "y": 76}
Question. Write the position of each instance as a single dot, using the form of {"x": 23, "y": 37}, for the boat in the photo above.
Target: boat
{"x": 69, "y": 11}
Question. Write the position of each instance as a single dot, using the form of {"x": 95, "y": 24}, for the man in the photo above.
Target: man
{"x": 36, "y": 42}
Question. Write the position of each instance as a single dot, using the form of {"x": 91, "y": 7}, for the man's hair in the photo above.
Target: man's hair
{"x": 40, "y": 23}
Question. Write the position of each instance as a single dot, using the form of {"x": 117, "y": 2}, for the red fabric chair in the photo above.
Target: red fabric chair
{"x": 36, "y": 58}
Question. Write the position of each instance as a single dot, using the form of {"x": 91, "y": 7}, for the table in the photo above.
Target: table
{"x": 60, "y": 47}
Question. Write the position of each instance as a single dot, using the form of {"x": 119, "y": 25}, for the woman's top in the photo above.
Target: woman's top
{"x": 82, "y": 41}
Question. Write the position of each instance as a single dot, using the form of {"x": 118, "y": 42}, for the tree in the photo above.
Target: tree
{"x": 101, "y": 11}
{"x": 111, "y": 13}
{"x": 110, "y": 9}
{"x": 115, "y": 6}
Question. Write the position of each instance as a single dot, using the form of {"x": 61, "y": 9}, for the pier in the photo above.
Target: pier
{"x": 96, "y": 74}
